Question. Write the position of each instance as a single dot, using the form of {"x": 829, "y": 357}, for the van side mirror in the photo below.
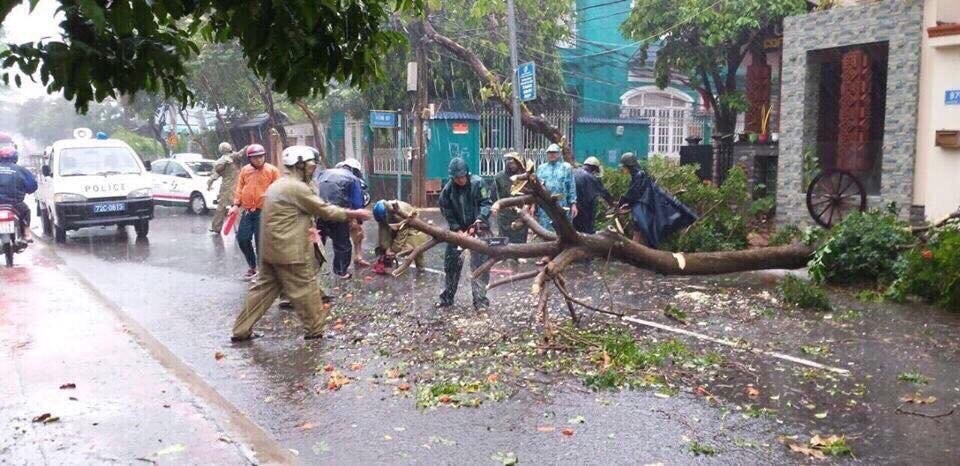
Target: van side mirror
{"x": 46, "y": 171}
{"x": 148, "y": 165}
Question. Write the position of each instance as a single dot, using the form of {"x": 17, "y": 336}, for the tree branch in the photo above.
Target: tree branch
{"x": 492, "y": 81}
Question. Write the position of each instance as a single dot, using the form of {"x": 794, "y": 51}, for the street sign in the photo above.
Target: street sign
{"x": 527, "y": 82}
{"x": 383, "y": 119}
{"x": 952, "y": 97}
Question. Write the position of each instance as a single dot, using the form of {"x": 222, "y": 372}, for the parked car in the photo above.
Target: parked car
{"x": 181, "y": 180}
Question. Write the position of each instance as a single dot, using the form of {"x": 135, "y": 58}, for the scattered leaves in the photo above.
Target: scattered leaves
{"x": 307, "y": 426}
{"x": 699, "y": 449}
{"x": 507, "y": 459}
{"x": 752, "y": 392}
{"x": 546, "y": 429}
{"x": 913, "y": 377}
{"x": 218, "y": 355}
{"x": 568, "y": 431}
{"x": 337, "y": 380}
{"x": 917, "y": 398}
{"x": 46, "y": 418}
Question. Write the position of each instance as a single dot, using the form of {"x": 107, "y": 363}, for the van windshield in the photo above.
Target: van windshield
{"x": 84, "y": 161}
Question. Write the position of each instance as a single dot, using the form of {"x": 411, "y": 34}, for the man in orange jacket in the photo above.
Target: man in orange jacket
{"x": 253, "y": 182}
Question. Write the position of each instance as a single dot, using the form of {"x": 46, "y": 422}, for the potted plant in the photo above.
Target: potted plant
{"x": 753, "y": 137}
{"x": 764, "y": 123}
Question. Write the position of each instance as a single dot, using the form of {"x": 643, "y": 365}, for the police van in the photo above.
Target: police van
{"x": 93, "y": 181}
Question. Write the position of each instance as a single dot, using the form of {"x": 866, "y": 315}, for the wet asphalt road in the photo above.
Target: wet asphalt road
{"x": 181, "y": 284}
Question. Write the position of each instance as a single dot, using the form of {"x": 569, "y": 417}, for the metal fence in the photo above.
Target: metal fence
{"x": 670, "y": 127}
{"x": 496, "y": 137}
{"x": 386, "y": 162}
{"x": 384, "y": 153}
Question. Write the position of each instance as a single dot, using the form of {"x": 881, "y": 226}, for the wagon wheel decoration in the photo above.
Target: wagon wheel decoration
{"x": 833, "y": 195}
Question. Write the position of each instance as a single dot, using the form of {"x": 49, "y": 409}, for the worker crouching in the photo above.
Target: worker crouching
{"x": 287, "y": 258}
{"x": 395, "y": 236}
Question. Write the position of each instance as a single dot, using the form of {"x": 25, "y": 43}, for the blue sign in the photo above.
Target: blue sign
{"x": 383, "y": 119}
{"x": 527, "y": 82}
{"x": 953, "y": 97}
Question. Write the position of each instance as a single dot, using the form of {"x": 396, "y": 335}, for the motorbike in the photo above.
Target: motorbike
{"x": 11, "y": 239}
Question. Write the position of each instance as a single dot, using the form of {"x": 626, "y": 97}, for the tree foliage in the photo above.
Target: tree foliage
{"x": 704, "y": 42}
{"x": 112, "y": 48}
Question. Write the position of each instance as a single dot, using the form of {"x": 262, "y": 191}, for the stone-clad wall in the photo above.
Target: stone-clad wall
{"x": 898, "y": 22}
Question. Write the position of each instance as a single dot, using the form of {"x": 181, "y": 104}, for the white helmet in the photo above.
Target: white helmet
{"x": 594, "y": 162}
{"x": 553, "y": 148}
{"x": 225, "y": 148}
{"x": 296, "y": 154}
{"x": 352, "y": 163}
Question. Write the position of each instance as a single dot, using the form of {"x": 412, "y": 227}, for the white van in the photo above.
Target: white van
{"x": 91, "y": 182}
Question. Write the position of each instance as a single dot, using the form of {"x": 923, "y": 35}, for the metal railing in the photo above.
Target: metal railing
{"x": 385, "y": 161}
{"x": 496, "y": 137}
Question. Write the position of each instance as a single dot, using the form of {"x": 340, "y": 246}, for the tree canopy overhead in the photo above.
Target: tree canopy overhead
{"x": 112, "y": 48}
{"x": 705, "y": 41}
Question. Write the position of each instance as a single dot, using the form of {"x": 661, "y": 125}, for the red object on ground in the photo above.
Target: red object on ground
{"x": 379, "y": 267}
{"x": 228, "y": 225}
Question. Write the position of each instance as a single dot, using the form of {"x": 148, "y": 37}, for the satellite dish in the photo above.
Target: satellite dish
{"x": 82, "y": 133}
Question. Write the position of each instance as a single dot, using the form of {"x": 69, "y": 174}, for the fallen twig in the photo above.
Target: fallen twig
{"x": 900, "y": 410}
{"x": 514, "y": 278}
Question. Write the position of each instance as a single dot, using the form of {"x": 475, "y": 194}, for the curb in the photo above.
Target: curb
{"x": 255, "y": 442}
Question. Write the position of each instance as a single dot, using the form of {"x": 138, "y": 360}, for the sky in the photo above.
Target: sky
{"x": 23, "y": 26}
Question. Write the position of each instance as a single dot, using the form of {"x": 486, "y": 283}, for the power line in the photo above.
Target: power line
{"x": 667, "y": 31}
{"x": 614, "y": 2}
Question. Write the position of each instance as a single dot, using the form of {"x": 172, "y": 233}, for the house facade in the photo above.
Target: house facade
{"x": 866, "y": 88}
{"x": 608, "y": 78}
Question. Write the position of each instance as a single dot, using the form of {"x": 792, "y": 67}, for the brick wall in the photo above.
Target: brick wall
{"x": 898, "y": 22}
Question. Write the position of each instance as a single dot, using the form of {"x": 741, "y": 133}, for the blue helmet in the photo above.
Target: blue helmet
{"x": 380, "y": 211}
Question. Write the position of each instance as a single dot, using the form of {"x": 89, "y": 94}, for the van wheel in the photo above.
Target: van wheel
{"x": 142, "y": 227}
{"x": 59, "y": 234}
{"x": 197, "y": 205}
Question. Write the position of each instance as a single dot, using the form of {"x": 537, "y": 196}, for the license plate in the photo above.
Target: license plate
{"x": 109, "y": 208}
{"x": 7, "y": 227}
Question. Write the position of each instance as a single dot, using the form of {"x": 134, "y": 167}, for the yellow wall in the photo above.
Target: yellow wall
{"x": 937, "y": 174}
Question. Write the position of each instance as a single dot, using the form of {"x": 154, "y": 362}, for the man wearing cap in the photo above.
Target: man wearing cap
{"x": 288, "y": 263}
{"x": 341, "y": 186}
{"x": 655, "y": 213}
{"x": 512, "y": 165}
{"x": 252, "y": 184}
{"x": 227, "y": 169}
{"x": 394, "y": 235}
{"x": 465, "y": 204}
{"x": 557, "y": 177}
{"x": 589, "y": 189}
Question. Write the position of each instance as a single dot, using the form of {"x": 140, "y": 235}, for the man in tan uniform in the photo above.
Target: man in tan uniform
{"x": 287, "y": 258}
{"x": 226, "y": 168}
{"x": 395, "y": 236}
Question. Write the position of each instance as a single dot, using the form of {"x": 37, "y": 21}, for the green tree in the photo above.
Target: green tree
{"x": 46, "y": 119}
{"x": 112, "y": 48}
{"x": 704, "y": 41}
{"x": 473, "y": 37}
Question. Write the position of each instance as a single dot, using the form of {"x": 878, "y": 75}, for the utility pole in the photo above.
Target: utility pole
{"x": 421, "y": 107}
{"x": 517, "y": 122}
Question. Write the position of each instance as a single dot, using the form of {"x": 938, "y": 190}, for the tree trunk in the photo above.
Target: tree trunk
{"x": 266, "y": 95}
{"x": 494, "y": 82}
{"x": 318, "y": 138}
{"x": 571, "y": 246}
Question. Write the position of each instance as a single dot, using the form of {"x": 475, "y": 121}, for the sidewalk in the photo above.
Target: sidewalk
{"x": 127, "y": 406}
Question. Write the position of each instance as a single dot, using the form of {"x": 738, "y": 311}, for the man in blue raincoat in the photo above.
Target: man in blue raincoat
{"x": 557, "y": 177}
{"x": 655, "y": 213}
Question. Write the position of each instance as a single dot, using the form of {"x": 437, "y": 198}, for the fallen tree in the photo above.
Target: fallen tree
{"x": 567, "y": 246}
